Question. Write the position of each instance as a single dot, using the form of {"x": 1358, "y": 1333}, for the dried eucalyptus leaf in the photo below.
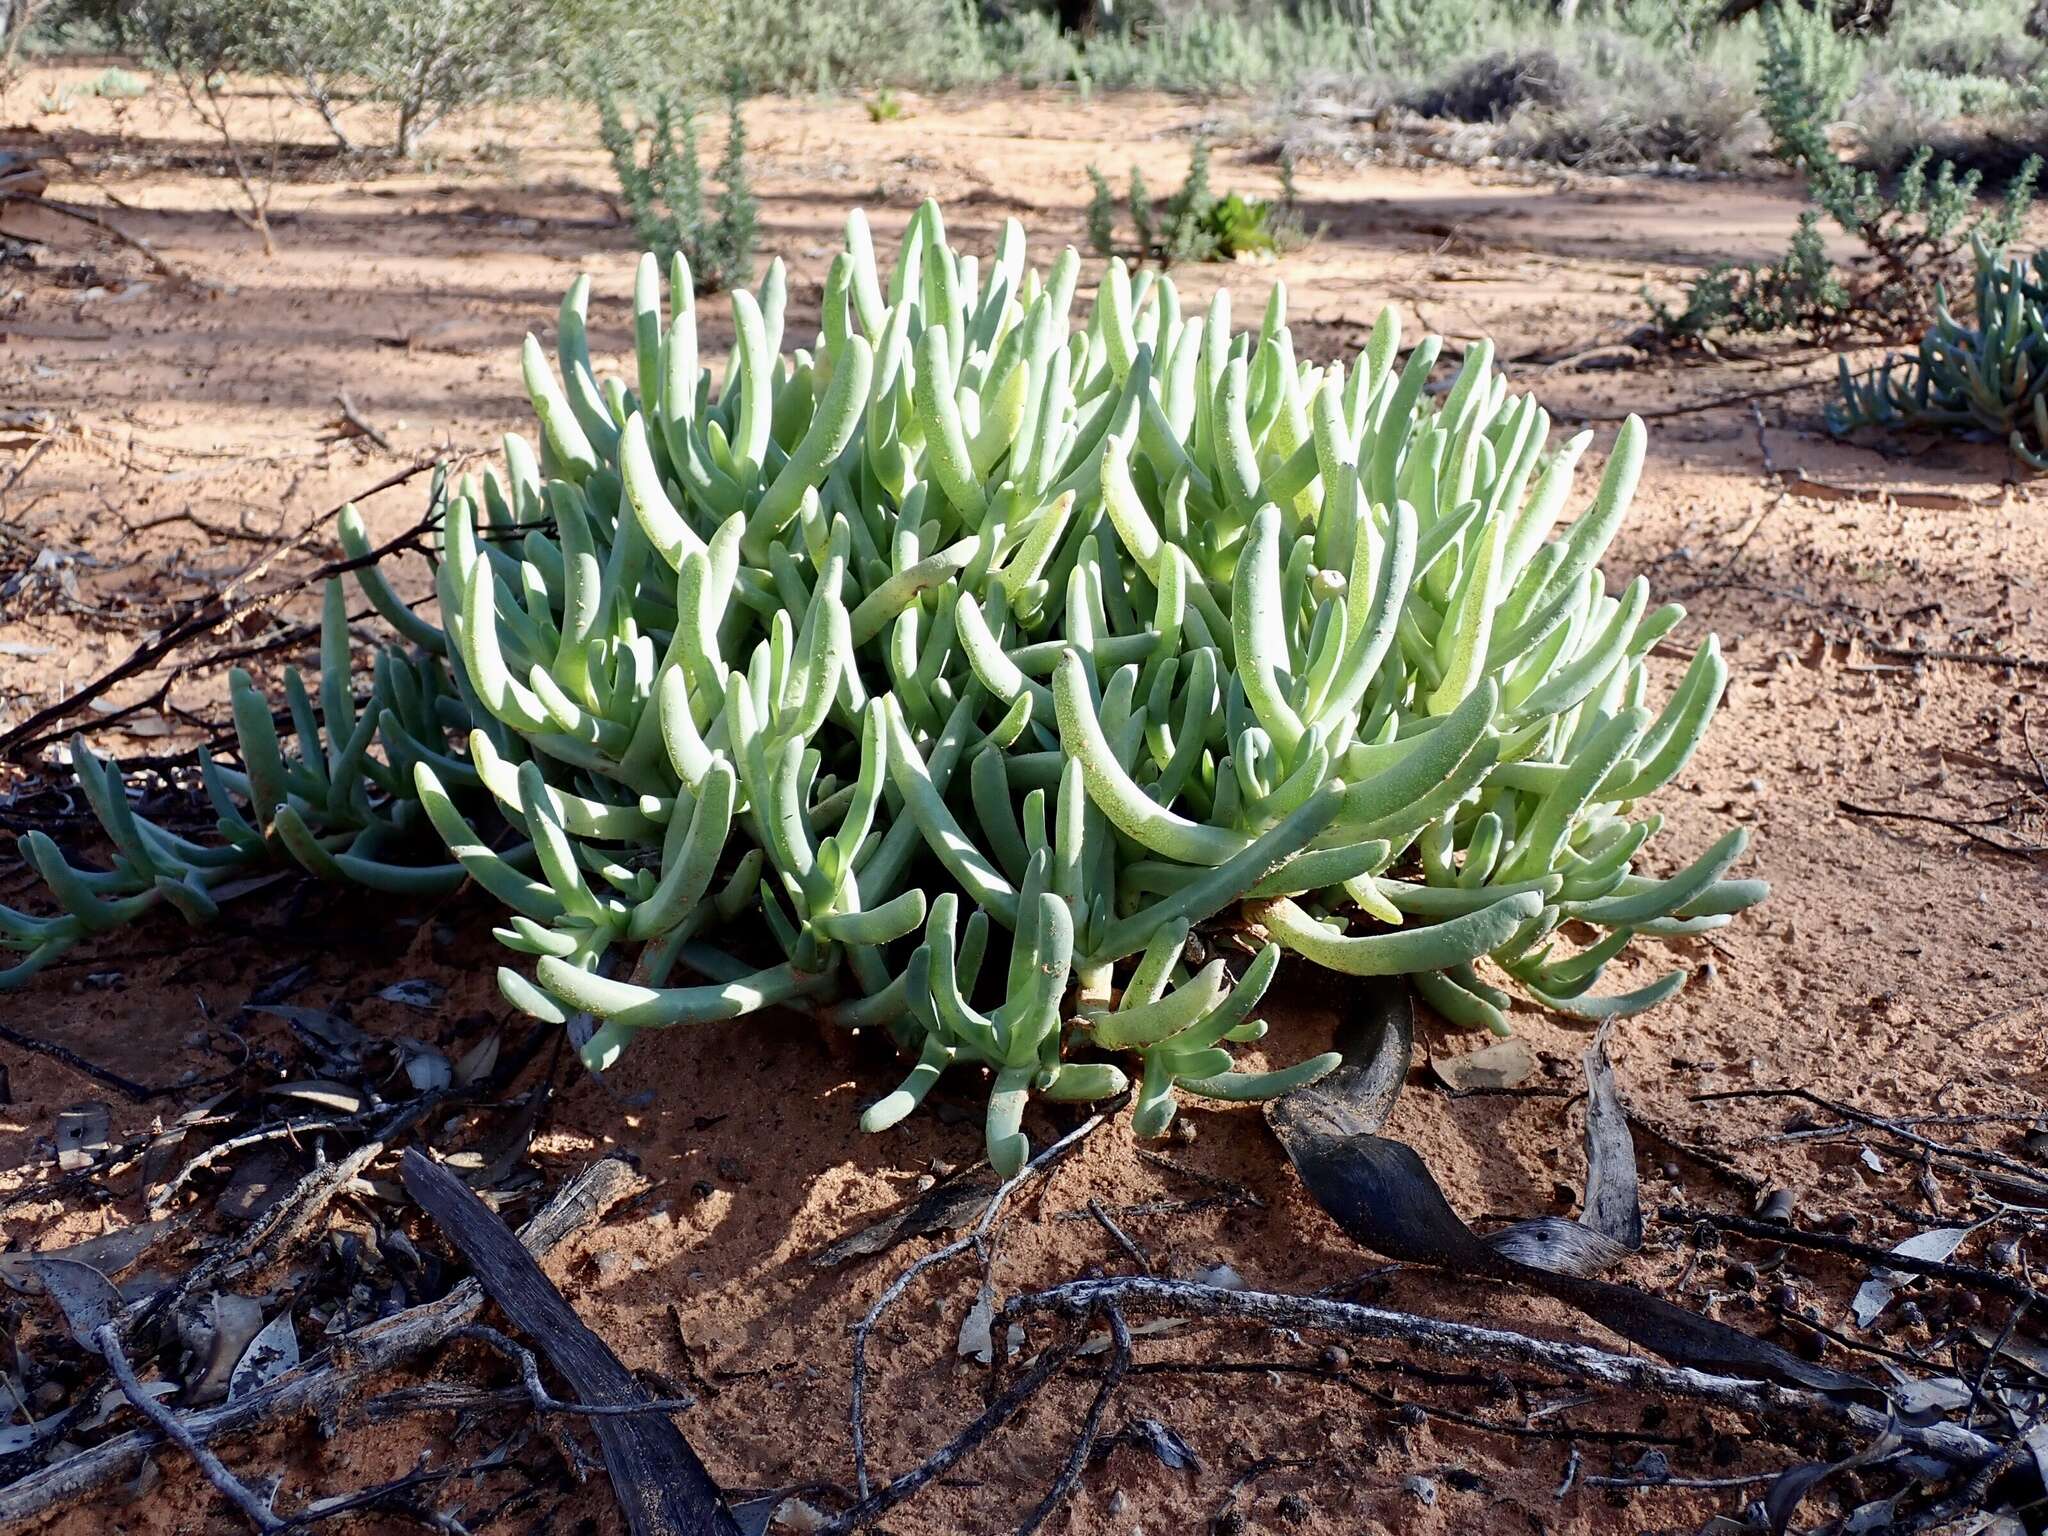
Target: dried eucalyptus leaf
{"x": 1505, "y": 1064}
{"x": 328, "y": 1029}
{"x": 110, "y": 1253}
{"x": 1614, "y": 1204}
{"x": 977, "y": 1336}
{"x": 113, "y": 1400}
{"x": 81, "y": 1135}
{"x": 19, "y": 1437}
{"x": 425, "y": 1068}
{"x": 270, "y": 1354}
{"x": 322, "y": 1094}
{"x": 1163, "y": 1441}
{"x": 478, "y": 1062}
{"x": 945, "y": 1207}
{"x": 235, "y": 1322}
{"x": 86, "y": 1297}
{"x": 1875, "y": 1294}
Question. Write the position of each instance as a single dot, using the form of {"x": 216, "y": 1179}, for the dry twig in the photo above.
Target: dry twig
{"x": 317, "y": 1387}
{"x": 1949, "y": 1442}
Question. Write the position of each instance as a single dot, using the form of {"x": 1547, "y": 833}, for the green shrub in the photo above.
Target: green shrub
{"x": 331, "y": 806}
{"x": 1913, "y": 236}
{"x": 1193, "y": 224}
{"x": 1988, "y": 376}
{"x": 422, "y": 58}
{"x": 1809, "y": 71}
{"x": 664, "y": 192}
{"x": 118, "y": 84}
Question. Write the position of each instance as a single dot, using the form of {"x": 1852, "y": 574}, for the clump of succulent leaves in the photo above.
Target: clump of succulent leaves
{"x": 1025, "y": 686}
{"x": 1987, "y": 375}
{"x": 329, "y": 803}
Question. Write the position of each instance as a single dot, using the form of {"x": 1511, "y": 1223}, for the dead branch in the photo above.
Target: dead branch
{"x": 1581, "y": 1362}
{"x": 1952, "y": 823}
{"x": 77, "y": 1063}
{"x": 1713, "y": 404}
{"x": 107, "y": 1340}
{"x": 326, "y": 1385}
{"x": 1091, "y": 1426}
{"x": 1901, "y": 1129}
{"x": 1917, "y": 654}
{"x": 992, "y": 1418}
{"x": 158, "y": 264}
{"x": 359, "y": 427}
{"x": 543, "y": 1401}
{"x": 1846, "y": 1247}
{"x": 224, "y": 609}
{"x": 25, "y": 465}
{"x": 257, "y": 219}
{"x": 866, "y": 1326}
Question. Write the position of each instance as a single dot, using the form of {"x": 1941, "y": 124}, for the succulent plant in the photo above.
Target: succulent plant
{"x": 1002, "y": 683}
{"x": 1019, "y": 667}
{"x": 332, "y": 806}
{"x": 1990, "y": 375}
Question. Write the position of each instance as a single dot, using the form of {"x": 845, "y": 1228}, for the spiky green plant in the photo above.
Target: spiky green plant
{"x": 1002, "y": 683}
{"x": 1987, "y": 375}
{"x": 1100, "y": 220}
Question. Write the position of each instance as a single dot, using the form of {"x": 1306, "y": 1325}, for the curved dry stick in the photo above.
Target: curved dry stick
{"x": 896, "y": 1287}
{"x": 1950, "y": 1442}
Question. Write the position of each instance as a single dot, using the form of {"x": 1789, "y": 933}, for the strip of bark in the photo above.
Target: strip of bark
{"x": 662, "y": 1487}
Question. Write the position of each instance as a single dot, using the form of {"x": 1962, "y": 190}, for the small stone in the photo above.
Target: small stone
{"x": 1335, "y": 1359}
{"x": 1742, "y": 1275}
{"x": 1421, "y": 1489}
{"x": 1118, "y": 1503}
{"x": 1409, "y": 1416}
{"x": 1292, "y": 1508}
{"x": 1670, "y": 1170}
{"x": 1185, "y": 1130}
{"x": 730, "y": 1170}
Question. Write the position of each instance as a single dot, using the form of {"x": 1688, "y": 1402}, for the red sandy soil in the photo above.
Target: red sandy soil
{"x": 1896, "y": 966}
